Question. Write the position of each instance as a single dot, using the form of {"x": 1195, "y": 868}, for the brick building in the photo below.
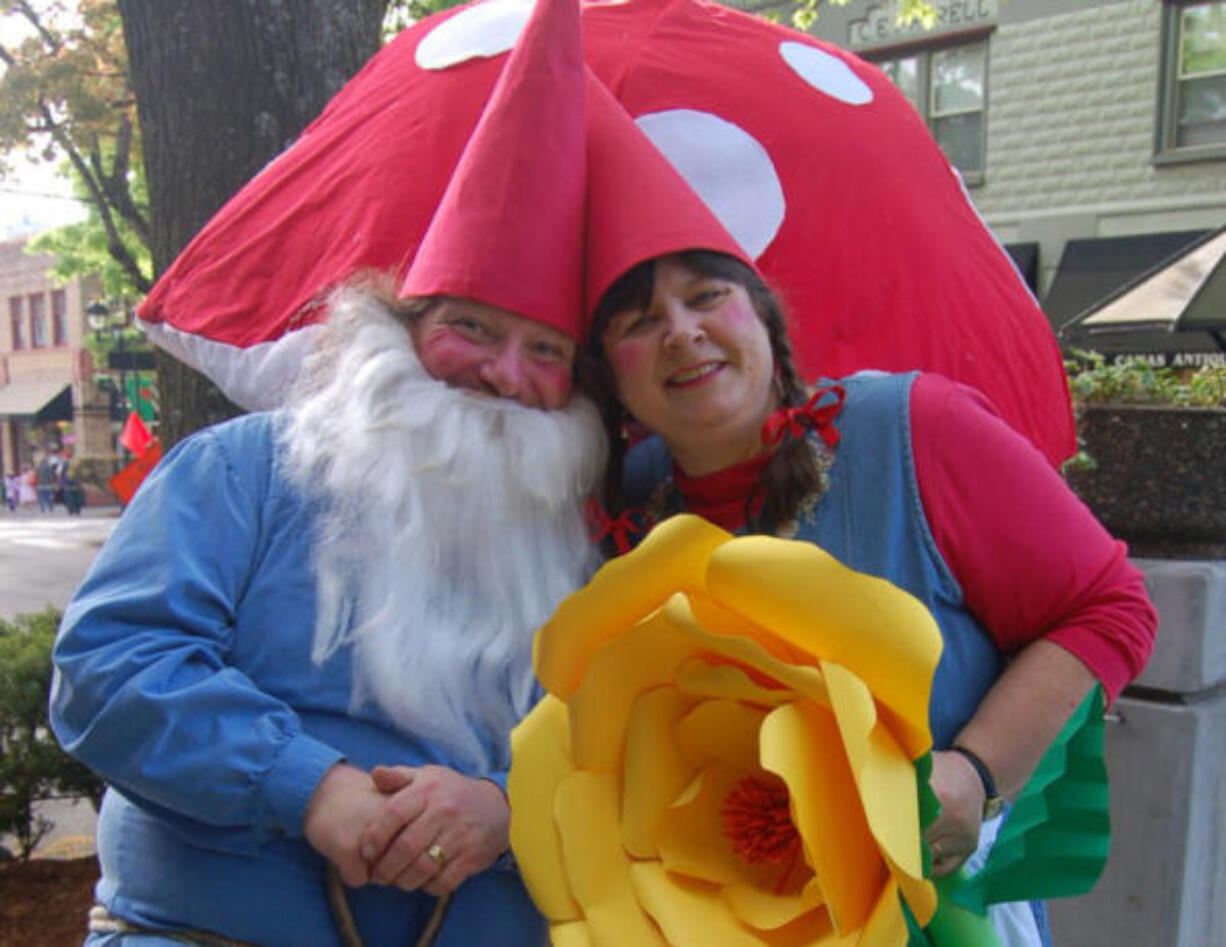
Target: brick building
{"x": 1091, "y": 133}
{"x": 48, "y": 400}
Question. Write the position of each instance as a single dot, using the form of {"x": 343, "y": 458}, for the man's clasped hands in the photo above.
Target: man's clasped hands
{"x": 426, "y": 827}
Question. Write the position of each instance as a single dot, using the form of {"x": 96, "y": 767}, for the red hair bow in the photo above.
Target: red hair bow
{"x": 812, "y": 414}
{"x": 602, "y": 525}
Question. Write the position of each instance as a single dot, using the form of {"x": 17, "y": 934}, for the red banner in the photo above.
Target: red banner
{"x": 125, "y": 483}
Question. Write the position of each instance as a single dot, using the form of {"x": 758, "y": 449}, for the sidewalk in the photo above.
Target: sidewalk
{"x": 31, "y": 512}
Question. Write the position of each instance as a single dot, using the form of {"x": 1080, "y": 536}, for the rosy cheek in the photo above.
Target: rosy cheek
{"x": 741, "y": 316}
{"x": 445, "y": 354}
{"x": 552, "y": 383}
{"x": 628, "y": 359}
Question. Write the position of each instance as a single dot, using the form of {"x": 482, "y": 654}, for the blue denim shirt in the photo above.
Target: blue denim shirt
{"x": 184, "y": 678}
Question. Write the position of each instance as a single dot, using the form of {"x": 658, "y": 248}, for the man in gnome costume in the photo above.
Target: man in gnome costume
{"x": 295, "y": 598}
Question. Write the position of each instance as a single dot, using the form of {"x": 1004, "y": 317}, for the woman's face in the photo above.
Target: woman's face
{"x": 695, "y": 366}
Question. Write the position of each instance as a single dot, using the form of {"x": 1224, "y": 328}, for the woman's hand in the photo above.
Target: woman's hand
{"x": 432, "y": 809}
{"x": 954, "y": 836}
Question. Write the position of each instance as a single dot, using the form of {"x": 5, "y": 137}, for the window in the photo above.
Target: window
{"x": 1192, "y": 108}
{"x": 16, "y": 323}
{"x": 38, "y": 321}
{"x": 948, "y": 86}
{"x": 59, "y": 318}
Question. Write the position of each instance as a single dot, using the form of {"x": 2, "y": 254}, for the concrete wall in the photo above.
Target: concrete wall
{"x": 1165, "y": 882}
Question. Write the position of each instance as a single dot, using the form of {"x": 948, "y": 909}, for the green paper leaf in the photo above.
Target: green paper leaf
{"x": 952, "y": 925}
{"x": 956, "y": 926}
{"x": 1055, "y": 840}
{"x": 929, "y": 806}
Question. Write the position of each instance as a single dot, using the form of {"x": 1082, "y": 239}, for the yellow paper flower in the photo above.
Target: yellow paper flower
{"x": 726, "y": 753}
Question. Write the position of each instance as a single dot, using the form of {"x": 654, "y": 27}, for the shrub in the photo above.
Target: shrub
{"x": 1093, "y": 381}
{"x": 32, "y": 765}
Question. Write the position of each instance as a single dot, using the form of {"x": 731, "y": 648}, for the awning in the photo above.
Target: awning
{"x": 23, "y": 398}
{"x": 1119, "y": 296}
{"x": 1026, "y": 259}
{"x": 1206, "y": 309}
{"x": 1162, "y": 297}
{"x": 1093, "y": 269}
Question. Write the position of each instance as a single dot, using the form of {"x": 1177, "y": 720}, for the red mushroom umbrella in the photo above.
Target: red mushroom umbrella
{"x": 809, "y": 156}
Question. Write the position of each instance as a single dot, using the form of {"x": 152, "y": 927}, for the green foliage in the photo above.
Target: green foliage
{"x": 65, "y": 99}
{"x": 32, "y": 766}
{"x": 805, "y": 12}
{"x": 402, "y": 13}
{"x": 1093, "y": 381}
{"x": 83, "y": 249}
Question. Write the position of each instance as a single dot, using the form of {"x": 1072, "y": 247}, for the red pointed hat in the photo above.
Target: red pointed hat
{"x": 638, "y": 205}
{"x": 509, "y": 229}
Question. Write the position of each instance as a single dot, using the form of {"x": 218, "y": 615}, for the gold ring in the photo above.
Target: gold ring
{"x": 436, "y": 854}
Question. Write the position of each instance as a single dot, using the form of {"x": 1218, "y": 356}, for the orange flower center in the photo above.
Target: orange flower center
{"x": 758, "y": 821}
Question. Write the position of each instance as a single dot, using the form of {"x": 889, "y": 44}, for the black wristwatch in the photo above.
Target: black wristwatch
{"x": 993, "y": 802}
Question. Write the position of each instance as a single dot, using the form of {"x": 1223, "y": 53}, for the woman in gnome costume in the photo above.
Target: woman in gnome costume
{"x": 317, "y": 622}
{"x": 909, "y": 477}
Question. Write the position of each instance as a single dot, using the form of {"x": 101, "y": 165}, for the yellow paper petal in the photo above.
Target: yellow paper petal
{"x": 727, "y": 634}
{"x": 586, "y": 809}
{"x": 700, "y": 678}
{"x": 672, "y": 558}
{"x": 886, "y": 926}
{"x": 720, "y": 619}
{"x": 920, "y": 893}
{"x": 643, "y": 658}
{"x": 809, "y": 930}
{"x": 762, "y": 909}
{"x": 689, "y": 913}
{"x": 656, "y": 771}
{"x": 805, "y": 596}
{"x": 880, "y": 767}
{"x": 722, "y": 730}
{"x": 540, "y": 761}
{"x": 801, "y": 743}
{"x": 570, "y": 934}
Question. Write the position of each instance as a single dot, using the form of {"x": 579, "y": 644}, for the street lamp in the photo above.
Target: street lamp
{"x": 101, "y": 321}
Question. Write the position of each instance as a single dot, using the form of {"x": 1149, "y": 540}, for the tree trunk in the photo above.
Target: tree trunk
{"x": 222, "y": 88}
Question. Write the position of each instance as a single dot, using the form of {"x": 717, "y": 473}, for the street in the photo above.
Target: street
{"x": 43, "y": 558}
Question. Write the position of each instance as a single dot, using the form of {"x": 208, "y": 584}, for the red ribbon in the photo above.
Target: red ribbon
{"x": 620, "y": 528}
{"x": 819, "y": 417}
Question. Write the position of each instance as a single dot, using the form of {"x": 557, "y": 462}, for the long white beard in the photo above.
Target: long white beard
{"x": 451, "y": 526}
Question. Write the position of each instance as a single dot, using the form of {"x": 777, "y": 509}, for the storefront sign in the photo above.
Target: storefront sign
{"x": 1168, "y": 359}
{"x": 879, "y": 27}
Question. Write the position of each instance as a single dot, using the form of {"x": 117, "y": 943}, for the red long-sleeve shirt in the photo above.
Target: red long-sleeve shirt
{"x": 1032, "y": 560}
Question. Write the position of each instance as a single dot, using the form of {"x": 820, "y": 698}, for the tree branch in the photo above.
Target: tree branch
{"x": 98, "y": 197}
{"x": 116, "y": 186}
{"x": 35, "y": 20}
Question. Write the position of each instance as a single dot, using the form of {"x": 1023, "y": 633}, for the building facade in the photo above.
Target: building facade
{"x": 48, "y": 400}
{"x": 1091, "y": 133}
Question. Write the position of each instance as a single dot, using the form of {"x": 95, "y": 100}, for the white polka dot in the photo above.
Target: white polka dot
{"x": 826, "y": 73}
{"x": 728, "y": 167}
{"x": 488, "y": 29}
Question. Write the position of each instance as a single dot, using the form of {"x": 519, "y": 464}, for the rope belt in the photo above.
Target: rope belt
{"x": 102, "y": 921}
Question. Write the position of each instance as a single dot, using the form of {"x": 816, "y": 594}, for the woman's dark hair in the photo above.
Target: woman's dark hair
{"x": 793, "y": 473}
